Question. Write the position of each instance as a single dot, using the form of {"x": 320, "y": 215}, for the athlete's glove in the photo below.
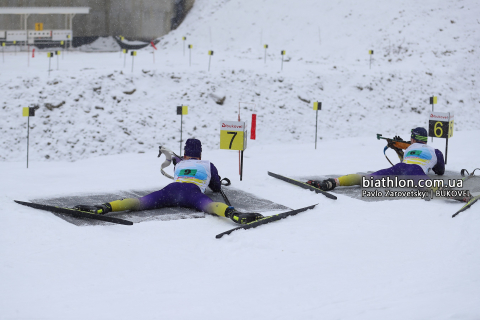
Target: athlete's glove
{"x": 96, "y": 209}
{"x": 397, "y": 138}
{"x": 400, "y": 153}
{"x": 176, "y": 159}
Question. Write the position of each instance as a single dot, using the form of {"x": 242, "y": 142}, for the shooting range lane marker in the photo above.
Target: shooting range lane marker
{"x": 184, "y": 38}
{"x": 233, "y": 136}
{"x": 265, "y": 58}
{"x": 282, "y": 53}
{"x": 433, "y": 101}
{"x": 316, "y": 106}
{"x": 133, "y": 54}
{"x": 210, "y": 54}
{"x": 50, "y": 56}
{"x": 125, "y": 51}
{"x": 57, "y": 53}
{"x": 28, "y": 112}
{"x": 190, "y": 54}
{"x": 440, "y": 125}
{"x": 121, "y": 40}
{"x": 370, "y": 52}
{"x": 253, "y": 129}
{"x": 181, "y": 110}
{"x": 153, "y": 51}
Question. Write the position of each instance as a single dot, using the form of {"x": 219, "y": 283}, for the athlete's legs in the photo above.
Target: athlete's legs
{"x": 400, "y": 169}
{"x": 175, "y": 194}
{"x": 349, "y": 180}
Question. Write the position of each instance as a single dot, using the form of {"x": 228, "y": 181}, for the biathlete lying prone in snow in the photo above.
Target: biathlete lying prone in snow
{"x": 192, "y": 176}
{"x": 417, "y": 160}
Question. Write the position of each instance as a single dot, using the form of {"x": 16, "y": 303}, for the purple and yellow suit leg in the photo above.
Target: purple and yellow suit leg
{"x": 176, "y": 194}
{"x": 400, "y": 169}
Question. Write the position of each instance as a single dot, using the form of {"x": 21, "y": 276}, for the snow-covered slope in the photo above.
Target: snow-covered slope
{"x": 420, "y": 49}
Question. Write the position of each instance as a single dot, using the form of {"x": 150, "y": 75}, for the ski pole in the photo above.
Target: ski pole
{"x": 225, "y": 198}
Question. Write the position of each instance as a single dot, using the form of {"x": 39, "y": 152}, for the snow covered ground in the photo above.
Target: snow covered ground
{"x": 99, "y": 126}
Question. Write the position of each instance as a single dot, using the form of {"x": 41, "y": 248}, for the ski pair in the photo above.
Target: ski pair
{"x": 467, "y": 205}
{"x": 75, "y": 213}
{"x": 266, "y": 220}
{"x": 302, "y": 185}
{"x": 466, "y": 175}
{"x": 82, "y": 214}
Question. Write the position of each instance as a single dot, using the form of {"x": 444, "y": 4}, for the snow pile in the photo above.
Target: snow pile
{"x": 102, "y": 44}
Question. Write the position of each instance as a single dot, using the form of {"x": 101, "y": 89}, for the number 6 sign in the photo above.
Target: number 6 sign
{"x": 440, "y": 125}
{"x": 233, "y": 135}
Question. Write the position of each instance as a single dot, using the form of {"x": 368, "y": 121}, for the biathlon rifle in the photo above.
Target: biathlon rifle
{"x": 396, "y": 143}
{"x": 168, "y": 159}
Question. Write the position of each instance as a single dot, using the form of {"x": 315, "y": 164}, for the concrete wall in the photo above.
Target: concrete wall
{"x": 135, "y": 19}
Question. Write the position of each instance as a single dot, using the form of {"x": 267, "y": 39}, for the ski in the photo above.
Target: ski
{"x": 75, "y": 213}
{"x": 467, "y": 205}
{"x": 302, "y": 185}
{"x": 266, "y": 220}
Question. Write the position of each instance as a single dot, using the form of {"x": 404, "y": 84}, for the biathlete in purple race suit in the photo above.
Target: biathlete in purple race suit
{"x": 417, "y": 160}
{"x": 192, "y": 176}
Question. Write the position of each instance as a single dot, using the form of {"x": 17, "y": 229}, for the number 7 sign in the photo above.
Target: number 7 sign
{"x": 233, "y": 135}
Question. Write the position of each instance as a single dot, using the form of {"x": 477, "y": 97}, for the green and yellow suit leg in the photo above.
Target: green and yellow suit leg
{"x": 349, "y": 180}
{"x": 174, "y": 195}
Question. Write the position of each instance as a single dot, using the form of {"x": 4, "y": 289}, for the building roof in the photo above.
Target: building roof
{"x": 44, "y": 10}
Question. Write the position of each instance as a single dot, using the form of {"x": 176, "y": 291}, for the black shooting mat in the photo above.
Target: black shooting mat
{"x": 241, "y": 200}
{"x": 472, "y": 184}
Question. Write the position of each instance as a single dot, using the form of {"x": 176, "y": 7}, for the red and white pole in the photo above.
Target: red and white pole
{"x": 253, "y": 130}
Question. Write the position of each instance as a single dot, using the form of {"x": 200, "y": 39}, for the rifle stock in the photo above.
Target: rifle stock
{"x": 400, "y": 144}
